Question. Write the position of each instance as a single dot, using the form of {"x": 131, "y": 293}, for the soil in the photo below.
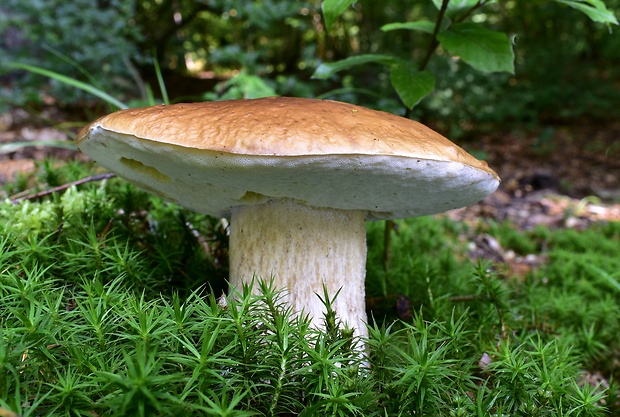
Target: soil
{"x": 556, "y": 177}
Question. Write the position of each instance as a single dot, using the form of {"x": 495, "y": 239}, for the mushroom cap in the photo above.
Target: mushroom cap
{"x": 212, "y": 156}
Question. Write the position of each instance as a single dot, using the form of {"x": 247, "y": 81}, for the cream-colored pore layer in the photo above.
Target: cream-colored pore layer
{"x": 303, "y": 248}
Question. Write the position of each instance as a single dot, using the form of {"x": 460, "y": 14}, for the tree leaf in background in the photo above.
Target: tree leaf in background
{"x": 456, "y": 6}
{"x": 325, "y": 71}
{"x": 594, "y": 9}
{"x": 483, "y": 49}
{"x": 242, "y": 86}
{"x": 334, "y": 8}
{"x": 420, "y": 26}
{"x": 410, "y": 84}
{"x": 255, "y": 87}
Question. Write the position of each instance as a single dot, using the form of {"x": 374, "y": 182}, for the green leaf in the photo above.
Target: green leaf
{"x": 456, "y": 6}
{"x": 11, "y": 147}
{"x": 334, "y": 8}
{"x": 252, "y": 86}
{"x": 594, "y": 9}
{"x": 75, "y": 64}
{"x": 160, "y": 80}
{"x": 483, "y": 49}
{"x": 410, "y": 84}
{"x": 605, "y": 277}
{"x": 420, "y": 25}
{"x": 70, "y": 81}
{"x": 325, "y": 71}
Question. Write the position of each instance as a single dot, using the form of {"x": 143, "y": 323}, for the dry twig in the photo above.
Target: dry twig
{"x": 98, "y": 177}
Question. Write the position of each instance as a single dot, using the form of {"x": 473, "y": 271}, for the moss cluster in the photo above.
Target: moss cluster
{"x": 111, "y": 306}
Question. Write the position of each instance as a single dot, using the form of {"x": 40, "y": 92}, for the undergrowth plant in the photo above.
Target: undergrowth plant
{"x": 457, "y": 27}
{"x": 112, "y": 304}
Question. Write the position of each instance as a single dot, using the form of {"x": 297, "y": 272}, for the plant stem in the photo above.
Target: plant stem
{"x": 432, "y": 47}
{"x": 469, "y": 12}
{"x": 389, "y": 224}
{"x": 434, "y": 42}
{"x": 387, "y": 245}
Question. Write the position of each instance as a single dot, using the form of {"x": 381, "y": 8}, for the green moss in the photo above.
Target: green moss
{"x": 110, "y": 307}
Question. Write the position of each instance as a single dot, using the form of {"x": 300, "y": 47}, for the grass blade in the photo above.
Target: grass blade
{"x": 605, "y": 277}
{"x": 70, "y": 81}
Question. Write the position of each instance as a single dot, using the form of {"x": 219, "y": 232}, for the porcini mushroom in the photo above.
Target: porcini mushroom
{"x": 298, "y": 177}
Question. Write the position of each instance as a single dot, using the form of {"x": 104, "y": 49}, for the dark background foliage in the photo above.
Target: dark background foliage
{"x": 566, "y": 65}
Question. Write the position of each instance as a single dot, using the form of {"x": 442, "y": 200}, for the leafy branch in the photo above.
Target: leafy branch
{"x": 483, "y": 49}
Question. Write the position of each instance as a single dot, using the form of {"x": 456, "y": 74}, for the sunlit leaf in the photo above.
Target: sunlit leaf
{"x": 252, "y": 86}
{"x": 483, "y": 49}
{"x": 456, "y": 6}
{"x": 70, "y": 81}
{"x": 410, "y": 84}
{"x": 420, "y": 26}
{"x": 594, "y": 9}
{"x": 325, "y": 71}
{"x": 334, "y": 8}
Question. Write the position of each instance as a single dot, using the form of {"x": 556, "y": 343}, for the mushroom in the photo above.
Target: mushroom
{"x": 298, "y": 178}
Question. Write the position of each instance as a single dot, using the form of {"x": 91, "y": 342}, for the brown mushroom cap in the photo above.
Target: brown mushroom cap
{"x": 213, "y": 156}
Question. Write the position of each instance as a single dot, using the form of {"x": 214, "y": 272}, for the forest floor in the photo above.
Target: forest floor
{"x": 554, "y": 177}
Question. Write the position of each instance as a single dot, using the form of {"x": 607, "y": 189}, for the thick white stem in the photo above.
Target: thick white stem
{"x": 303, "y": 248}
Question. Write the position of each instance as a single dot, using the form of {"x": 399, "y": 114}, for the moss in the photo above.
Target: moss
{"x": 110, "y": 306}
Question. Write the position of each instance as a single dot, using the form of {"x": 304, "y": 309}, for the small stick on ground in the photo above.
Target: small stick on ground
{"x": 98, "y": 177}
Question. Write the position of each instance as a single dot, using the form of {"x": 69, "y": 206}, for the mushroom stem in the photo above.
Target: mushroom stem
{"x": 303, "y": 248}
